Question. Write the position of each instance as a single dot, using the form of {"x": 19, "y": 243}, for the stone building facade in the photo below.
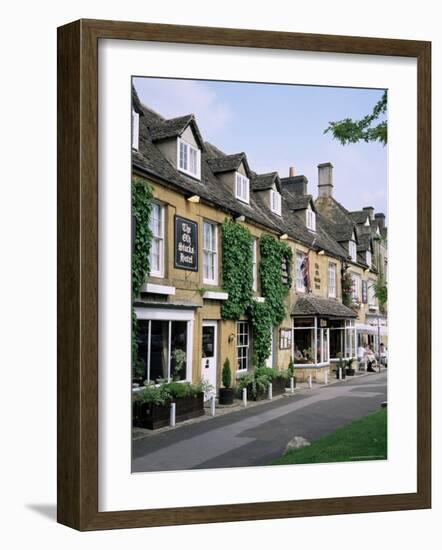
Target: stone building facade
{"x": 196, "y": 187}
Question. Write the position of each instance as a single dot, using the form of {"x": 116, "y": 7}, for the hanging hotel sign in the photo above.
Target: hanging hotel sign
{"x": 186, "y": 244}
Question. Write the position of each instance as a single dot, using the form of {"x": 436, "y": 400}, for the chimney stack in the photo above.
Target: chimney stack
{"x": 292, "y": 172}
{"x": 380, "y": 218}
{"x": 325, "y": 179}
{"x": 370, "y": 211}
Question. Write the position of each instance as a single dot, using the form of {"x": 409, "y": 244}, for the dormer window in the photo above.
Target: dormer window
{"x": 368, "y": 258}
{"x": 242, "y": 185}
{"x": 352, "y": 250}
{"x": 311, "y": 220}
{"x": 275, "y": 202}
{"x": 189, "y": 159}
{"x": 135, "y": 129}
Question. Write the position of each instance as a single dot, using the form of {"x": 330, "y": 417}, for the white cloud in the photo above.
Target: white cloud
{"x": 172, "y": 98}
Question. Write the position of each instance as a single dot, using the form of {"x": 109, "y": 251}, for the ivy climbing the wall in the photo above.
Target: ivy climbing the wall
{"x": 275, "y": 255}
{"x": 237, "y": 269}
{"x": 260, "y": 316}
{"x": 141, "y": 208}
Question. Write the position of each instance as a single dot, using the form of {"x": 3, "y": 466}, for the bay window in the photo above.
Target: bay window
{"x": 156, "y": 224}
{"x": 210, "y": 253}
{"x": 342, "y": 339}
{"x": 310, "y": 341}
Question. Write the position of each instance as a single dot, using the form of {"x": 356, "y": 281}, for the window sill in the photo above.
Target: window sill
{"x": 158, "y": 289}
{"x": 215, "y": 295}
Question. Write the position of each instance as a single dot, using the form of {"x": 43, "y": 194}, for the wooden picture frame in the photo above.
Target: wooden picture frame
{"x": 78, "y": 274}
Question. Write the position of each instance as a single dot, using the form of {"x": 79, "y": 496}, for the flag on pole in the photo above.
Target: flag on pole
{"x": 305, "y": 271}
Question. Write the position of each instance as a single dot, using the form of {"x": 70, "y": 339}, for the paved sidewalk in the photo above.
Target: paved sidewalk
{"x": 256, "y": 436}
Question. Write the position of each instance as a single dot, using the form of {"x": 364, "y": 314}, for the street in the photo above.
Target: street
{"x": 259, "y": 435}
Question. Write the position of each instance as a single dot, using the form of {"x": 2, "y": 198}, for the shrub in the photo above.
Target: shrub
{"x": 227, "y": 374}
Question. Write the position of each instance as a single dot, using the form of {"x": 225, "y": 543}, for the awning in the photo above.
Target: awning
{"x": 372, "y": 329}
{"x": 310, "y": 305}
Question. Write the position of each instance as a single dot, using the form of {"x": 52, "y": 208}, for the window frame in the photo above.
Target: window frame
{"x": 190, "y": 147}
{"x": 310, "y": 219}
{"x": 211, "y": 252}
{"x": 255, "y": 264}
{"x": 275, "y": 208}
{"x": 246, "y": 347}
{"x": 352, "y": 250}
{"x": 161, "y": 238}
{"x": 244, "y": 182}
{"x": 332, "y": 268}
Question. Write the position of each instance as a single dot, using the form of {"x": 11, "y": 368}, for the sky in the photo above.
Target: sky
{"x": 280, "y": 125}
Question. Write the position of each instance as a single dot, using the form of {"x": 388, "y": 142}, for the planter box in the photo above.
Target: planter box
{"x": 152, "y": 416}
{"x": 226, "y": 396}
{"x": 279, "y": 385}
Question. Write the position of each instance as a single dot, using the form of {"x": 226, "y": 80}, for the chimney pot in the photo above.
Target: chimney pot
{"x": 370, "y": 211}
{"x": 380, "y": 217}
{"x": 325, "y": 179}
{"x": 292, "y": 172}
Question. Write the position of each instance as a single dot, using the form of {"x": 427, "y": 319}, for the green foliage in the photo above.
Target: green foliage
{"x": 351, "y": 131}
{"x": 141, "y": 207}
{"x": 273, "y": 254}
{"x": 381, "y": 291}
{"x": 291, "y": 368}
{"x": 169, "y": 391}
{"x": 179, "y": 360}
{"x": 226, "y": 374}
{"x": 258, "y": 381}
{"x": 347, "y": 289}
{"x": 237, "y": 269}
{"x": 260, "y": 313}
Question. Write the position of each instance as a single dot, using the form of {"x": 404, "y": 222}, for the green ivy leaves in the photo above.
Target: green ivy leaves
{"x": 237, "y": 269}
{"x": 238, "y": 282}
{"x": 141, "y": 207}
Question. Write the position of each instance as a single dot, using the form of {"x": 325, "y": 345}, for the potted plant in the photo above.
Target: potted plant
{"x": 226, "y": 393}
{"x": 179, "y": 360}
{"x": 349, "y": 370}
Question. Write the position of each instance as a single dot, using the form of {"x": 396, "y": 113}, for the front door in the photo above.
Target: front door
{"x": 209, "y": 354}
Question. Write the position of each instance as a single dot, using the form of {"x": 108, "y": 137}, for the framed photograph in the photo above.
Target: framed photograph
{"x": 220, "y": 190}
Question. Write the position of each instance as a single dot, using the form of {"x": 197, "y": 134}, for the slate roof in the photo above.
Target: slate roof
{"x": 359, "y": 216}
{"x": 226, "y": 163}
{"x": 314, "y": 305}
{"x": 263, "y": 182}
{"x": 174, "y": 127}
{"x": 149, "y": 160}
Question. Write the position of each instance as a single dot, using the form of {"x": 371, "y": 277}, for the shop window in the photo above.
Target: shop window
{"x": 162, "y": 350}
{"x": 342, "y": 339}
{"x": 310, "y": 342}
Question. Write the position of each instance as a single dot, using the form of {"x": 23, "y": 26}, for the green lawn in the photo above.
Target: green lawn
{"x": 363, "y": 439}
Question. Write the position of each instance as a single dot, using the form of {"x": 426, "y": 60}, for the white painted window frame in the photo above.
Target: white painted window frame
{"x": 352, "y": 250}
{"x": 242, "y": 183}
{"x": 211, "y": 253}
{"x": 186, "y": 170}
{"x": 238, "y": 324}
{"x": 310, "y": 220}
{"x": 160, "y": 238}
{"x": 159, "y": 314}
{"x": 275, "y": 202}
{"x": 331, "y": 279}
{"x": 255, "y": 264}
